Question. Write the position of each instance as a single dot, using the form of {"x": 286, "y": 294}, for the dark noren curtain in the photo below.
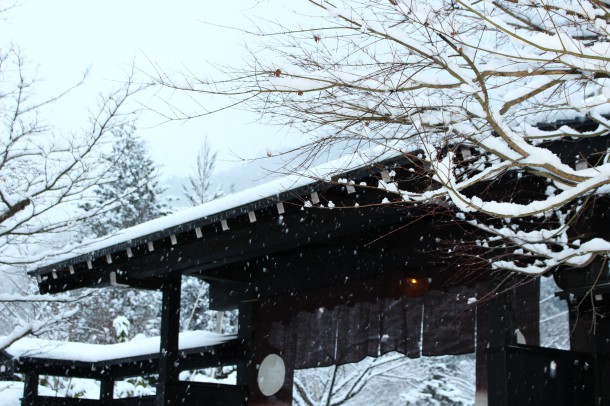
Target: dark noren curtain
{"x": 437, "y": 324}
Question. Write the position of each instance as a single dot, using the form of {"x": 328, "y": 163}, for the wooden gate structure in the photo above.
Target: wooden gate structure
{"x": 327, "y": 272}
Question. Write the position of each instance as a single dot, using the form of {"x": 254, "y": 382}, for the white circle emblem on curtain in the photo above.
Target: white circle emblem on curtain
{"x": 271, "y": 374}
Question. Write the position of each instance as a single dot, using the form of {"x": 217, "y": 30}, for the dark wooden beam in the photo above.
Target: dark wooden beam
{"x": 44, "y": 366}
{"x": 184, "y": 247}
{"x": 271, "y": 233}
{"x": 30, "y": 388}
{"x": 226, "y": 296}
{"x": 106, "y": 391}
{"x": 589, "y": 319}
{"x": 170, "y": 328}
{"x": 98, "y": 278}
{"x": 531, "y": 375}
{"x": 245, "y": 332}
{"x": 388, "y": 249}
{"x": 263, "y": 318}
{"x": 227, "y": 353}
{"x": 56, "y": 401}
{"x": 506, "y": 315}
{"x": 237, "y": 246}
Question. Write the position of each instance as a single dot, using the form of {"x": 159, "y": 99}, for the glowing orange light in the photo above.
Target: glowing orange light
{"x": 415, "y": 287}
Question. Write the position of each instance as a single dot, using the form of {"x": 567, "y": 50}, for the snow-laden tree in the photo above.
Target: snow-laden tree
{"x": 195, "y": 293}
{"x": 389, "y": 379}
{"x": 43, "y": 175}
{"x": 134, "y": 188}
{"x": 480, "y": 87}
{"x": 198, "y": 190}
{"x": 195, "y": 299}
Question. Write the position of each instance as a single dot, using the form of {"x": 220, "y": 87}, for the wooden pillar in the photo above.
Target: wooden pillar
{"x": 510, "y": 317}
{"x": 590, "y": 333}
{"x": 244, "y": 334}
{"x": 106, "y": 391}
{"x": 492, "y": 331}
{"x": 168, "y": 386}
{"x": 30, "y": 389}
{"x": 482, "y": 340}
{"x": 271, "y": 335}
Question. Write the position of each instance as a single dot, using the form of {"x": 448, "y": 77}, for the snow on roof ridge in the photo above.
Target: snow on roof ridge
{"x": 267, "y": 190}
{"x": 74, "y": 351}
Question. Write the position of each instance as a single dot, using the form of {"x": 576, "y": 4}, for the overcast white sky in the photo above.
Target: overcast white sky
{"x": 64, "y": 38}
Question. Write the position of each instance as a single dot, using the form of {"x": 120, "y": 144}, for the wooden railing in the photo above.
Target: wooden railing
{"x": 109, "y": 371}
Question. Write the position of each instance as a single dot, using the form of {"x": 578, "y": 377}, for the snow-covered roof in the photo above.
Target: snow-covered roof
{"x": 71, "y": 351}
{"x": 219, "y": 233}
{"x": 246, "y": 201}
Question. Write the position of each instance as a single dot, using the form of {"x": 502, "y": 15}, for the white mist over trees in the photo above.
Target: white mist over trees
{"x": 480, "y": 87}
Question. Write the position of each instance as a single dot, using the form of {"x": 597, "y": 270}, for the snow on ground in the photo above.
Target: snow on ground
{"x": 10, "y": 393}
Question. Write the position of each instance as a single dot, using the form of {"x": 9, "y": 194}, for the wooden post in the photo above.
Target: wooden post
{"x": 493, "y": 330}
{"x": 168, "y": 386}
{"x": 30, "y": 389}
{"x": 482, "y": 321}
{"x": 510, "y": 317}
{"x": 267, "y": 315}
{"x": 590, "y": 332}
{"x": 106, "y": 391}
{"x": 244, "y": 334}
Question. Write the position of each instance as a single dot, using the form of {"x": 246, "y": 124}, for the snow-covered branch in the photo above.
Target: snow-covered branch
{"x": 35, "y": 327}
{"x": 508, "y": 81}
{"x": 44, "y": 174}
